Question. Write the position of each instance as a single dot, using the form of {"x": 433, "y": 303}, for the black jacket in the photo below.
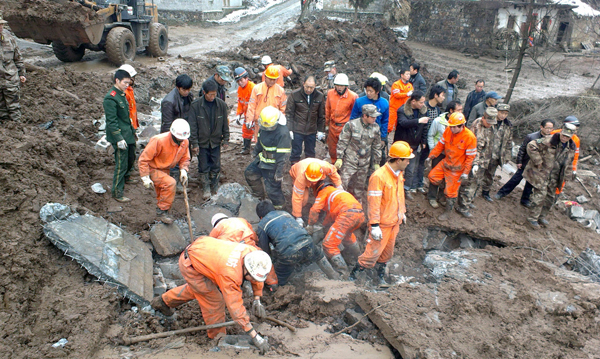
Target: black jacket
{"x": 207, "y": 132}
{"x": 272, "y": 149}
{"x": 173, "y": 107}
{"x": 281, "y": 229}
{"x": 473, "y": 98}
{"x": 419, "y": 83}
{"x": 221, "y": 91}
{"x": 522, "y": 156}
{"x": 408, "y": 128}
{"x": 304, "y": 118}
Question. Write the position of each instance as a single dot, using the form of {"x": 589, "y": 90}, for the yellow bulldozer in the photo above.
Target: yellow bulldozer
{"x": 118, "y": 27}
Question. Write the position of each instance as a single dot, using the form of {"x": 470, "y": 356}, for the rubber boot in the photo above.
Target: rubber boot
{"x": 352, "y": 252}
{"x": 357, "y": 269}
{"x": 432, "y": 195}
{"x": 449, "y": 206}
{"x": 159, "y": 304}
{"x": 214, "y": 182}
{"x": 246, "y": 149}
{"x": 381, "y": 274}
{"x": 339, "y": 264}
{"x": 326, "y": 267}
{"x": 164, "y": 216}
{"x": 486, "y": 196}
{"x": 205, "y": 186}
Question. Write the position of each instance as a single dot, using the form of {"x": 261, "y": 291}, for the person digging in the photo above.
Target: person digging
{"x": 163, "y": 153}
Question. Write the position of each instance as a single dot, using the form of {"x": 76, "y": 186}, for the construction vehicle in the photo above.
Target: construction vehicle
{"x": 118, "y": 27}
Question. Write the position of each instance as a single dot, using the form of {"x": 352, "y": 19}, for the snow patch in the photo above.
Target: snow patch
{"x": 582, "y": 8}
{"x": 257, "y": 7}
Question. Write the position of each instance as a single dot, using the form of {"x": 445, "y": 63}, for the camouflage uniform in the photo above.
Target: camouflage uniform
{"x": 546, "y": 171}
{"x": 493, "y": 150}
{"x": 356, "y": 145}
{"x": 11, "y": 68}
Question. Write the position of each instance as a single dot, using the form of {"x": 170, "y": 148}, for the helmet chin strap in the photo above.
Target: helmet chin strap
{"x": 176, "y": 140}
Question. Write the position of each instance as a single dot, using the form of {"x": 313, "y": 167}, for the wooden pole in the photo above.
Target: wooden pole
{"x": 283, "y": 324}
{"x": 145, "y": 338}
{"x": 187, "y": 208}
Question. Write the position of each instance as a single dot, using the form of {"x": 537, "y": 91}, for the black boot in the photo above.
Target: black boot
{"x": 357, "y": 269}
{"x": 432, "y": 195}
{"x": 486, "y": 196}
{"x": 381, "y": 274}
{"x": 246, "y": 149}
{"x": 214, "y": 182}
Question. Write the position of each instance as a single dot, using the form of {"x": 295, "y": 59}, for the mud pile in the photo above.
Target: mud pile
{"x": 60, "y": 12}
{"x": 358, "y": 50}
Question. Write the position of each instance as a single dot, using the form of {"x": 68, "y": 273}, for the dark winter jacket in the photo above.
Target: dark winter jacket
{"x": 473, "y": 98}
{"x": 522, "y": 156}
{"x": 173, "y": 107}
{"x": 221, "y": 90}
{"x": 281, "y": 229}
{"x": 419, "y": 83}
{"x": 305, "y": 118}
{"x": 273, "y": 148}
{"x": 408, "y": 128}
{"x": 445, "y": 85}
{"x": 208, "y": 132}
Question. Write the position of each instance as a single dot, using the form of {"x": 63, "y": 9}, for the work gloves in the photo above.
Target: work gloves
{"x": 122, "y": 145}
{"x": 320, "y": 136}
{"x": 147, "y": 182}
{"x": 249, "y": 125}
{"x": 291, "y": 135}
{"x": 402, "y": 217}
{"x": 409, "y": 94}
{"x": 475, "y": 169}
{"x": 183, "y": 178}
{"x": 261, "y": 343}
{"x": 376, "y": 166}
{"x": 464, "y": 177}
{"x": 376, "y": 233}
{"x": 258, "y": 309}
{"x": 338, "y": 163}
{"x": 300, "y": 221}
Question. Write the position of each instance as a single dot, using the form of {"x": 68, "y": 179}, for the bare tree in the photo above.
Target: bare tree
{"x": 304, "y": 6}
{"x": 525, "y": 33}
{"x": 359, "y": 4}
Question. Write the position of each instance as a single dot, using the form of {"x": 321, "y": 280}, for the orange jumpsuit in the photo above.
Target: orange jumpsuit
{"x": 386, "y": 208}
{"x": 460, "y": 151}
{"x": 283, "y": 72}
{"x": 344, "y": 211}
{"x": 575, "y": 139}
{"x": 261, "y": 97}
{"x": 337, "y": 112}
{"x": 398, "y": 98}
{"x": 160, "y": 155}
{"x": 243, "y": 99}
{"x": 132, "y": 107}
{"x": 214, "y": 272}
{"x": 299, "y": 194}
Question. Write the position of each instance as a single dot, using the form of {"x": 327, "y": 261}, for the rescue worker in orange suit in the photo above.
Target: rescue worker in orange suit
{"x": 244, "y": 91}
{"x": 459, "y": 145}
{"x": 338, "y": 107}
{"x": 386, "y": 211}
{"x": 344, "y": 215}
{"x": 214, "y": 271}
{"x": 283, "y": 72}
{"x": 305, "y": 174}
{"x": 237, "y": 230}
{"x": 129, "y": 95}
{"x": 162, "y": 153}
{"x": 574, "y": 121}
{"x": 266, "y": 93}
{"x": 401, "y": 92}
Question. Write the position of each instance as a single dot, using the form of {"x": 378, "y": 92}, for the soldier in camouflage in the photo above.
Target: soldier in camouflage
{"x": 494, "y": 136}
{"x": 549, "y": 159}
{"x": 12, "y": 72}
{"x": 360, "y": 139}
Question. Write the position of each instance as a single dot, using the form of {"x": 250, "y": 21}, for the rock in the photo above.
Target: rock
{"x": 351, "y": 317}
{"x": 54, "y": 211}
{"x": 160, "y": 286}
{"x": 202, "y": 217}
{"x": 576, "y": 212}
{"x": 167, "y": 239}
{"x": 169, "y": 268}
{"x": 582, "y": 199}
{"x": 236, "y": 342}
{"x": 102, "y": 144}
{"x": 466, "y": 242}
{"x": 248, "y": 209}
{"x": 453, "y": 264}
{"x": 229, "y": 196}
{"x": 587, "y": 263}
{"x": 149, "y": 132}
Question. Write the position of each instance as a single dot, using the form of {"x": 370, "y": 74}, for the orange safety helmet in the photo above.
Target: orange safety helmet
{"x": 456, "y": 119}
{"x": 314, "y": 172}
{"x": 401, "y": 149}
{"x": 272, "y": 72}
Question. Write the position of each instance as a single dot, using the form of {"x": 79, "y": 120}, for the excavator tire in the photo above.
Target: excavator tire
{"x": 67, "y": 53}
{"x": 120, "y": 45}
{"x": 159, "y": 40}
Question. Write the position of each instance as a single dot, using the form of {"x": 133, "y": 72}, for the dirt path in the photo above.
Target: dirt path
{"x": 531, "y": 84}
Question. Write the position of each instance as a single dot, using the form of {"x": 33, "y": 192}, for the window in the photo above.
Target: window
{"x": 511, "y": 22}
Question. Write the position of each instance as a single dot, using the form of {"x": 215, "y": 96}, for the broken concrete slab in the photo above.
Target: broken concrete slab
{"x": 453, "y": 264}
{"x": 102, "y": 144}
{"x": 506, "y": 172}
{"x": 202, "y": 217}
{"x": 53, "y": 211}
{"x": 236, "y": 342}
{"x": 229, "y": 196}
{"x": 582, "y": 199}
{"x": 169, "y": 268}
{"x": 107, "y": 252}
{"x": 576, "y": 212}
{"x": 248, "y": 209}
{"x": 352, "y": 317}
{"x": 160, "y": 285}
{"x": 167, "y": 239}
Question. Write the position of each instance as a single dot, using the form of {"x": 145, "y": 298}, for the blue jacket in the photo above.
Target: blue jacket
{"x": 281, "y": 229}
{"x": 383, "y": 106}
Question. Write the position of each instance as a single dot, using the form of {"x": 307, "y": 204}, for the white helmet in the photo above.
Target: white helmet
{"x": 258, "y": 264}
{"x": 129, "y": 69}
{"x": 180, "y": 128}
{"x": 266, "y": 60}
{"x": 341, "y": 80}
{"x": 217, "y": 217}
{"x": 381, "y": 77}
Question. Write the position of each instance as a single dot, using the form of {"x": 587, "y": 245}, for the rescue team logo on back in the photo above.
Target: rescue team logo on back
{"x": 234, "y": 256}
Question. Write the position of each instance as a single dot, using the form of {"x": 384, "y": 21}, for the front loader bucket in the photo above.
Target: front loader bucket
{"x": 47, "y": 21}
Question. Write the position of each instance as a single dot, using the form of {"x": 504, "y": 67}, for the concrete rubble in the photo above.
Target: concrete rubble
{"x": 589, "y": 218}
{"x": 106, "y": 251}
{"x": 168, "y": 240}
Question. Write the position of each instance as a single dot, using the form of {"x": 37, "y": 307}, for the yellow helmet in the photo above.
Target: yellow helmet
{"x": 401, "y": 149}
{"x": 268, "y": 118}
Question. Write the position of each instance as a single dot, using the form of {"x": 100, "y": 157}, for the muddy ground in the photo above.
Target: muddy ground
{"x": 45, "y": 296}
